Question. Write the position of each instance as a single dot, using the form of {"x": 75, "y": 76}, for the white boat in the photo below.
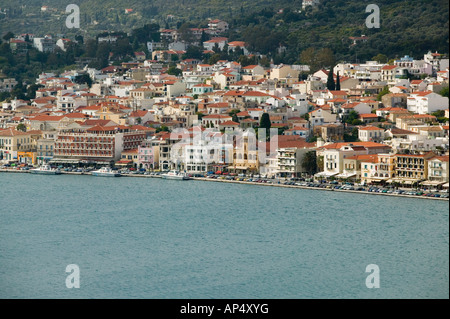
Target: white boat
{"x": 173, "y": 174}
{"x": 106, "y": 172}
{"x": 46, "y": 170}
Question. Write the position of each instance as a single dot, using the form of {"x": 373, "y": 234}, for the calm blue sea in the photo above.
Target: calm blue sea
{"x": 153, "y": 238}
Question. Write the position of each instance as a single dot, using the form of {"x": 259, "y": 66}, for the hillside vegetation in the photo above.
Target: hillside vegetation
{"x": 407, "y": 27}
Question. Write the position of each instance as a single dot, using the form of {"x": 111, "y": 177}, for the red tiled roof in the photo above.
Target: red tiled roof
{"x": 371, "y": 128}
{"x": 364, "y": 144}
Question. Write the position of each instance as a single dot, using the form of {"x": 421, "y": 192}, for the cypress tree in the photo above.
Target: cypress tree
{"x": 265, "y": 123}
{"x": 330, "y": 81}
{"x": 338, "y": 82}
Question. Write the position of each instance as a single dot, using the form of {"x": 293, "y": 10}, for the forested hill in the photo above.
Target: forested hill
{"x": 407, "y": 27}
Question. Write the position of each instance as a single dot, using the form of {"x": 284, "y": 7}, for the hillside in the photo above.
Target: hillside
{"x": 407, "y": 27}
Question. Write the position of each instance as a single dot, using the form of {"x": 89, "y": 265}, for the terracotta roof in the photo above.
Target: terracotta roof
{"x": 372, "y": 158}
{"x": 441, "y": 158}
{"x": 364, "y": 144}
{"x": 255, "y": 93}
{"x": 388, "y": 67}
{"x": 43, "y": 118}
{"x": 229, "y": 123}
{"x": 368, "y": 116}
{"x": 12, "y": 132}
{"x": 215, "y": 116}
{"x": 370, "y": 128}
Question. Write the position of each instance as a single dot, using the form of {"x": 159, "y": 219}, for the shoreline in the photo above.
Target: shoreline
{"x": 248, "y": 183}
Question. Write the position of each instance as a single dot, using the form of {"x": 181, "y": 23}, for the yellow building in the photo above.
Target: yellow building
{"x": 27, "y": 157}
{"x": 245, "y": 155}
{"x": 113, "y": 112}
{"x": 380, "y": 170}
{"x": 129, "y": 158}
{"x": 13, "y": 142}
{"x": 410, "y": 169}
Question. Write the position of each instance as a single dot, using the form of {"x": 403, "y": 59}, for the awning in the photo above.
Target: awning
{"x": 381, "y": 179}
{"x": 445, "y": 185}
{"x": 65, "y": 160}
{"x": 238, "y": 167}
{"x": 326, "y": 174}
{"x": 411, "y": 182}
{"x": 346, "y": 175}
{"x": 123, "y": 163}
{"x": 432, "y": 183}
{"x": 404, "y": 181}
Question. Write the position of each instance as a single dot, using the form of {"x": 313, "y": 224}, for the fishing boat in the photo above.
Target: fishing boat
{"x": 174, "y": 174}
{"x": 106, "y": 172}
{"x": 46, "y": 170}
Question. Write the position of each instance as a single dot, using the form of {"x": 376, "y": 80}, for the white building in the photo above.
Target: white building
{"x": 438, "y": 169}
{"x": 46, "y": 44}
{"x": 334, "y": 158}
{"x": 210, "y": 44}
{"x": 370, "y": 134}
{"x": 426, "y": 102}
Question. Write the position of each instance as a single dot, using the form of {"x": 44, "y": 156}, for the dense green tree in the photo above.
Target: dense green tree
{"x": 8, "y": 35}
{"x": 383, "y": 92}
{"x": 338, "y": 82}
{"x": 173, "y": 70}
{"x": 353, "y": 115}
{"x": 380, "y": 58}
{"x": 330, "y": 81}
{"x": 21, "y": 127}
{"x": 317, "y": 59}
{"x": 309, "y": 162}
{"x": 352, "y": 136}
{"x": 31, "y": 91}
{"x": 265, "y": 123}
{"x": 79, "y": 39}
{"x": 185, "y": 32}
{"x": 325, "y": 57}
{"x": 193, "y": 52}
{"x": 91, "y": 48}
{"x": 83, "y": 78}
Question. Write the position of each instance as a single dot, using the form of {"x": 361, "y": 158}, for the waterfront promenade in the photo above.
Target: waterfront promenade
{"x": 274, "y": 183}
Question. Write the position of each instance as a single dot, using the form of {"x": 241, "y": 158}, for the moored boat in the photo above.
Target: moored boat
{"x": 174, "y": 174}
{"x": 46, "y": 170}
{"x": 106, "y": 172}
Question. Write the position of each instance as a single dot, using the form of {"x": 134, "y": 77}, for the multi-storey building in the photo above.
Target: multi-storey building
{"x": 14, "y": 145}
{"x": 99, "y": 145}
{"x": 411, "y": 169}
{"x": 290, "y": 161}
{"x": 45, "y": 145}
{"x": 148, "y": 154}
{"x": 7, "y": 84}
{"x": 378, "y": 169}
{"x": 438, "y": 169}
{"x": 371, "y": 133}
